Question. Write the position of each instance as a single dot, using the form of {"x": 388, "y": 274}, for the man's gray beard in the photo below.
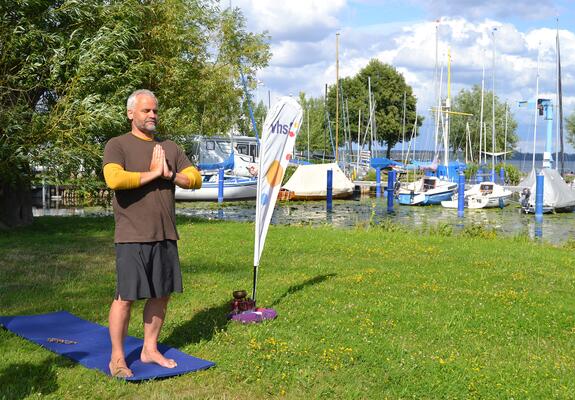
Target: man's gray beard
{"x": 146, "y": 130}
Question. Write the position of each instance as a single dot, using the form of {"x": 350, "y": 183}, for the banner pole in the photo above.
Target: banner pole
{"x": 255, "y": 283}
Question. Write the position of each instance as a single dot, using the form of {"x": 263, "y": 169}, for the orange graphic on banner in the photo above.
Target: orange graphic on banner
{"x": 275, "y": 174}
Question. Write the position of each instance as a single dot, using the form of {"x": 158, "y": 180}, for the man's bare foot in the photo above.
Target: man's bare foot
{"x": 119, "y": 369}
{"x": 157, "y": 357}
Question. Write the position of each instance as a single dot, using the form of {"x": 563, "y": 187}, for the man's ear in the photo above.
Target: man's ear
{"x": 130, "y": 114}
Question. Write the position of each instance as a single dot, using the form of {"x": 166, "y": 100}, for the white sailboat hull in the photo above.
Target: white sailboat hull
{"x": 235, "y": 188}
{"x": 482, "y": 195}
{"x": 426, "y": 191}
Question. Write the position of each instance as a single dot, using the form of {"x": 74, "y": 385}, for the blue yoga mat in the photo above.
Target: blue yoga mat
{"x": 89, "y": 344}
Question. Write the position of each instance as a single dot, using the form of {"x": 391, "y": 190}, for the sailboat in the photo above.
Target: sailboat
{"x": 235, "y": 188}
{"x": 426, "y": 191}
{"x": 236, "y": 156}
{"x": 431, "y": 189}
{"x": 482, "y": 195}
{"x": 485, "y": 194}
{"x": 557, "y": 195}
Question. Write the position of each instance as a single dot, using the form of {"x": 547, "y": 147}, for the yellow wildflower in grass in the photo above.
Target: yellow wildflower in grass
{"x": 254, "y": 345}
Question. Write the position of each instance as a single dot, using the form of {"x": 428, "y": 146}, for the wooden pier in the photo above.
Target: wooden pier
{"x": 367, "y": 187}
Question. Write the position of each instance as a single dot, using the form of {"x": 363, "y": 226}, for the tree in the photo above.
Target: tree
{"x": 245, "y": 125}
{"x": 570, "y": 125}
{"x": 469, "y": 101}
{"x": 313, "y": 132}
{"x": 388, "y": 88}
{"x": 67, "y": 67}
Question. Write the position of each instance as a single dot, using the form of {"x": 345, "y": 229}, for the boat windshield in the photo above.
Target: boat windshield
{"x": 486, "y": 189}
{"x": 428, "y": 184}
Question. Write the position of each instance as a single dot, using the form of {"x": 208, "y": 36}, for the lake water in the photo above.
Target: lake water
{"x": 555, "y": 228}
{"x": 525, "y": 165}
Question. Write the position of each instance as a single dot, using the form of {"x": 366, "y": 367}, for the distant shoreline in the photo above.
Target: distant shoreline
{"x": 518, "y": 156}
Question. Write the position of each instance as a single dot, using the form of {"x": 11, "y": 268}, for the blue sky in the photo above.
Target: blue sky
{"x": 402, "y": 33}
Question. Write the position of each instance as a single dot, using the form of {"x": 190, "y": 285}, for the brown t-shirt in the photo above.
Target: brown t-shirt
{"x": 147, "y": 213}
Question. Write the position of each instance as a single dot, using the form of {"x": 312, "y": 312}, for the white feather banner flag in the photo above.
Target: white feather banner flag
{"x": 280, "y": 130}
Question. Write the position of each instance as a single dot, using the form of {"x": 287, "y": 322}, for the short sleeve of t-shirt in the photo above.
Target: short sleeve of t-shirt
{"x": 182, "y": 161}
{"x": 113, "y": 153}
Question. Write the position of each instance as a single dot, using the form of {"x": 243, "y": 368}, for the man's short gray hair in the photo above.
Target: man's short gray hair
{"x": 132, "y": 99}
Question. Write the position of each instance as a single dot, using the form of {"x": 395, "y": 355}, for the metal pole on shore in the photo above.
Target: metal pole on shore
{"x": 390, "y": 187}
{"x": 460, "y": 195}
{"x": 377, "y": 183}
{"x": 539, "y": 197}
{"x": 220, "y": 186}
{"x": 43, "y": 192}
{"x": 329, "y": 195}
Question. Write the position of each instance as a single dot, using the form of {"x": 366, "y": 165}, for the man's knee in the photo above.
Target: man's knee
{"x": 124, "y": 305}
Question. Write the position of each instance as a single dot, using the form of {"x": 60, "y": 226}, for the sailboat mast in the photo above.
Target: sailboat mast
{"x": 536, "y": 109}
{"x": 505, "y": 140}
{"x": 447, "y": 110}
{"x": 307, "y": 109}
{"x": 493, "y": 110}
{"x": 336, "y": 95}
{"x": 466, "y": 141}
{"x": 403, "y": 125}
{"x": 560, "y": 103}
{"x": 370, "y": 115}
{"x": 438, "y": 80}
{"x": 481, "y": 112}
{"x": 358, "y": 138}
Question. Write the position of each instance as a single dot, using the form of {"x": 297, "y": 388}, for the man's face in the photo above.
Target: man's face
{"x": 144, "y": 115}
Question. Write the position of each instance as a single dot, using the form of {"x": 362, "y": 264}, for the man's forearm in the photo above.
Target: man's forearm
{"x": 147, "y": 177}
{"x": 189, "y": 178}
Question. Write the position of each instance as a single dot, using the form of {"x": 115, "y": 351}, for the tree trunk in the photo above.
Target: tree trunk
{"x": 15, "y": 205}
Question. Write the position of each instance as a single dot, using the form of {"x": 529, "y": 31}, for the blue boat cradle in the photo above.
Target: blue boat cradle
{"x": 382, "y": 163}
{"x": 226, "y": 164}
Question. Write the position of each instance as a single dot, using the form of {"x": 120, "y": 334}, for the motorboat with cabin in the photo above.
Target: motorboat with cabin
{"x": 482, "y": 195}
{"x": 425, "y": 191}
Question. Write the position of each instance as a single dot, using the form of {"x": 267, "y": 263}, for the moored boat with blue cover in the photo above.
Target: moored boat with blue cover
{"x": 426, "y": 191}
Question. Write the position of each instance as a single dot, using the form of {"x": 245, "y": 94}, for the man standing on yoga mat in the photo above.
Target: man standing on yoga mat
{"x": 143, "y": 171}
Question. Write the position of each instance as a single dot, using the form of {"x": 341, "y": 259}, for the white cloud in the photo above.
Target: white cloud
{"x": 299, "y": 20}
{"x": 479, "y": 9}
{"x": 303, "y": 47}
{"x": 295, "y": 54}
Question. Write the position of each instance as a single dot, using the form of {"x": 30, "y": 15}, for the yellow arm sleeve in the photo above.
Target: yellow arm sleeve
{"x": 118, "y": 179}
{"x": 194, "y": 176}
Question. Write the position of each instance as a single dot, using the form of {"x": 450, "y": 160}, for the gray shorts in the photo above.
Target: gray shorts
{"x": 147, "y": 270}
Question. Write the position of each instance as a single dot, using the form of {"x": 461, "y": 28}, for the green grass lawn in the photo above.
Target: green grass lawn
{"x": 364, "y": 313}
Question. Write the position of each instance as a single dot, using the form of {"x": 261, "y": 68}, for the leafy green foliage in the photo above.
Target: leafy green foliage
{"x": 67, "y": 68}
{"x": 388, "y": 88}
{"x": 469, "y": 101}
{"x": 314, "y": 128}
{"x": 470, "y": 171}
{"x": 570, "y": 125}
{"x": 512, "y": 173}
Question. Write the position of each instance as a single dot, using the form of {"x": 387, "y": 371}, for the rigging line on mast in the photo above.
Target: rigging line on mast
{"x": 505, "y": 139}
{"x": 560, "y": 103}
{"x": 536, "y": 109}
{"x": 403, "y": 124}
{"x": 336, "y": 95}
{"x": 493, "y": 107}
{"x": 412, "y": 138}
{"x": 481, "y": 112}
